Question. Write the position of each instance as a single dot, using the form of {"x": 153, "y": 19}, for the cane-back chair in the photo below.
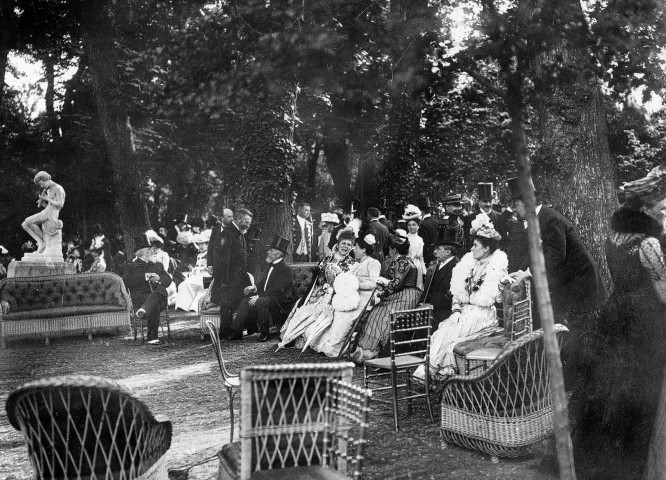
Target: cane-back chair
{"x": 410, "y": 332}
{"x": 230, "y": 381}
{"x": 284, "y": 421}
{"x": 506, "y": 410}
{"x": 89, "y": 427}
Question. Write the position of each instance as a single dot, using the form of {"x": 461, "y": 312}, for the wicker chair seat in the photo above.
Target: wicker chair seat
{"x": 88, "y": 427}
{"x": 504, "y": 410}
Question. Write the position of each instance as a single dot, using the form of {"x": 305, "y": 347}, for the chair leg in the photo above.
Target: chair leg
{"x": 394, "y": 388}
{"x": 231, "y": 412}
{"x": 409, "y": 392}
{"x": 427, "y": 392}
{"x": 166, "y": 314}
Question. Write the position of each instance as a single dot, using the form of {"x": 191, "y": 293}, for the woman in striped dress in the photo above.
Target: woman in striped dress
{"x": 400, "y": 293}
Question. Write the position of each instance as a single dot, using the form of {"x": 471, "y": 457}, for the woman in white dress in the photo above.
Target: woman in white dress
{"x": 346, "y": 308}
{"x": 192, "y": 289}
{"x": 413, "y": 217}
{"x": 475, "y": 286}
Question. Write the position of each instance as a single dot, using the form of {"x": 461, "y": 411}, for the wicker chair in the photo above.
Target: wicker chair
{"x": 284, "y": 423}
{"x": 410, "y": 347}
{"x": 88, "y": 427}
{"x": 506, "y": 410}
{"x": 230, "y": 381}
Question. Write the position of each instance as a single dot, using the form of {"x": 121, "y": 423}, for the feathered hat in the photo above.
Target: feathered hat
{"x": 482, "y": 227}
{"x": 412, "y": 212}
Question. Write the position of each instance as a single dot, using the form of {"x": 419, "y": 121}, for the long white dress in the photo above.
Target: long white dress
{"x": 416, "y": 254}
{"x": 331, "y": 341}
{"x": 475, "y": 286}
{"x": 191, "y": 289}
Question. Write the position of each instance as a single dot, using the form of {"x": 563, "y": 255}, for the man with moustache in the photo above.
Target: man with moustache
{"x": 230, "y": 269}
{"x": 216, "y": 236}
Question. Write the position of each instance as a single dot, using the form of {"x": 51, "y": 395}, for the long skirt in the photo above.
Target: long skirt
{"x": 190, "y": 291}
{"x": 376, "y": 332}
{"x": 331, "y": 341}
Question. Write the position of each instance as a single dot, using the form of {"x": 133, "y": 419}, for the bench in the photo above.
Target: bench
{"x": 44, "y": 307}
{"x": 302, "y": 276}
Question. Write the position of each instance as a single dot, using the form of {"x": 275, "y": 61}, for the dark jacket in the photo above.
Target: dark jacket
{"x": 428, "y": 231}
{"x": 230, "y": 268}
{"x": 279, "y": 283}
{"x": 296, "y": 235}
{"x": 214, "y": 245}
{"x": 381, "y": 234}
{"x": 573, "y": 278}
{"x": 437, "y": 286}
{"x": 134, "y": 276}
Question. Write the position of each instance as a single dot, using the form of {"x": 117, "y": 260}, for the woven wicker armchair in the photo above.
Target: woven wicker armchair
{"x": 296, "y": 424}
{"x": 88, "y": 427}
{"x": 506, "y": 410}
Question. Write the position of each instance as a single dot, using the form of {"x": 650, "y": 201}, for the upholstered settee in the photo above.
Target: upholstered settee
{"x": 302, "y": 278}
{"x": 34, "y": 307}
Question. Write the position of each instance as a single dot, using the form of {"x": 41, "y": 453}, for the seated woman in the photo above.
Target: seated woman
{"x": 475, "y": 286}
{"x": 318, "y": 302}
{"x": 192, "y": 288}
{"x": 399, "y": 293}
{"x": 366, "y": 270}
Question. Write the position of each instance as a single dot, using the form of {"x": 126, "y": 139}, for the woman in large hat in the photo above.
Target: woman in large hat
{"x": 625, "y": 397}
{"x": 412, "y": 216}
{"x": 475, "y": 286}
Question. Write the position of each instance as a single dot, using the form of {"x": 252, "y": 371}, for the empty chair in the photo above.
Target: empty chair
{"x": 230, "y": 381}
{"x": 88, "y": 427}
{"x": 410, "y": 348}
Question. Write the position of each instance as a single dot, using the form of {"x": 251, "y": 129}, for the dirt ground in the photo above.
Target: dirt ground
{"x": 181, "y": 380}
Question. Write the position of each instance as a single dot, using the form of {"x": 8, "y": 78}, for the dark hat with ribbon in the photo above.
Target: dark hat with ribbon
{"x": 485, "y": 190}
{"x": 280, "y": 243}
{"x": 452, "y": 198}
{"x": 514, "y": 188}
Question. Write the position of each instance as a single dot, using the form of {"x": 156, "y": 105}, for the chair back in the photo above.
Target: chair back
{"x": 283, "y": 414}
{"x": 518, "y": 308}
{"x": 410, "y": 332}
{"x": 516, "y": 384}
{"x": 215, "y": 340}
{"x": 347, "y": 425}
{"x": 87, "y": 427}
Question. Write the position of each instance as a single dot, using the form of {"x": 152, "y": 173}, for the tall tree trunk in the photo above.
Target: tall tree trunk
{"x": 98, "y": 40}
{"x": 579, "y": 175}
{"x": 313, "y": 160}
{"x": 336, "y": 151}
{"x": 49, "y": 72}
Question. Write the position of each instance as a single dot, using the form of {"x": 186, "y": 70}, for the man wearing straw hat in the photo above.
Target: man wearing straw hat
{"x": 263, "y": 299}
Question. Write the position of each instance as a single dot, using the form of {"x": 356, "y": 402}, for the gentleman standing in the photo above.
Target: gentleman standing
{"x": 303, "y": 235}
{"x": 147, "y": 282}
{"x": 52, "y": 199}
{"x": 216, "y": 238}
{"x": 438, "y": 277}
{"x": 428, "y": 230}
{"x": 230, "y": 269}
{"x": 254, "y": 312}
{"x": 453, "y": 219}
{"x": 380, "y": 232}
{"x": 573, "y": 278}
{"x": 485, "y": 207}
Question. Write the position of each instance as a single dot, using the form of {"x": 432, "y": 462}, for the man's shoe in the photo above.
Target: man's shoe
{"x": 154, "y": 342}
{"x": 141, "y": 313}
{"x": 263, "y": 337}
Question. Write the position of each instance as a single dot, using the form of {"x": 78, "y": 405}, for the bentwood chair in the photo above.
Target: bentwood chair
{"x": 139, "y": 324}
{"x": 286, "y": 424}
{"x": 506, "y": 410}
{"x": 230, "y": 381}
{"x": 89, "y": 427}
{"x": 410, "y": 332}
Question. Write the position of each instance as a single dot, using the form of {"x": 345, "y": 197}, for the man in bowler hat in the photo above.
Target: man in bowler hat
{"x": 263, "y": 299}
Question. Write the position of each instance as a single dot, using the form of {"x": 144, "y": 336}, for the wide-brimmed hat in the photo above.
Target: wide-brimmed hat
{"x": 650, "y": 188}
{"x": 330, "y": 218}
{"x": 412, "y": 212}
{"x": 399, "y": 235}
{"x": 482, "y": 227}
{"x": 279, "y": 243}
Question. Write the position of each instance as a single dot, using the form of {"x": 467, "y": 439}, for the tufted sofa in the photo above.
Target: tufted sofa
{"x": 302, "y": 277}
{"x": 65, "y": 304}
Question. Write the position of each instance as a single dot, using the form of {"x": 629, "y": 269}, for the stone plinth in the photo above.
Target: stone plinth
{"x": 41, "y": 268}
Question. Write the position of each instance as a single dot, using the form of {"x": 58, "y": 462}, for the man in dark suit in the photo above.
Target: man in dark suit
{"x": 303, "y": 236}
{"x": 254, "y": 312}
{"x": 485, "y": 206}
{"x": 573, "y": 278}
{"x": 380, "y": 231}
{"x": 428, "y": 230}
{"x": 215, "y": 242}
{"x": 230, "y": 269}
{"x": 437, "y": 283}
{"x": 147, "y": 283}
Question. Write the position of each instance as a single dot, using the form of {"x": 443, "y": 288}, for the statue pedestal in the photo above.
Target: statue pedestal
{"x": 39, "y": 268}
